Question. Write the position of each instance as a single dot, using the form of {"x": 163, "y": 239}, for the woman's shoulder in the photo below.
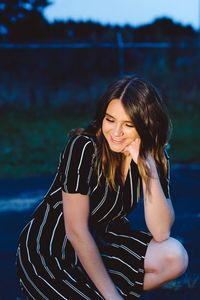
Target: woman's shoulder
{"x": 77, "y": 143}
{"x": 82, "y": 139}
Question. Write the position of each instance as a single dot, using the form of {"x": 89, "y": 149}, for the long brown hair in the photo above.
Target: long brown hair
{"x": 146, "y": 109}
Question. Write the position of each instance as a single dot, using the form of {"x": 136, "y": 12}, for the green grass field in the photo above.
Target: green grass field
{"x": 31, "y": 142}
{"x": 185, "y": 139}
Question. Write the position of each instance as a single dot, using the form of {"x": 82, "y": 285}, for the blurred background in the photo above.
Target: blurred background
{"x": 56, "y": 59}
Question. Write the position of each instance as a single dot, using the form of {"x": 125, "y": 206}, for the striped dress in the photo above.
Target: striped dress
{"x": 48, "y": 266}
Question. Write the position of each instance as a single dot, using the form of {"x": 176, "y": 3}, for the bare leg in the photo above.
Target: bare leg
{"x": 163, "y": 262}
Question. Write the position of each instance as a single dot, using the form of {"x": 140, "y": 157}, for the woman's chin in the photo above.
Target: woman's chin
{"x": 117, "y": 149}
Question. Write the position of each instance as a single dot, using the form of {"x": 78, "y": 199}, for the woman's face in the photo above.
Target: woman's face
{"x": 117, "y": 127}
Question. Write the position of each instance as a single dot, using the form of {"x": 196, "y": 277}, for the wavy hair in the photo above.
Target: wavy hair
{"x": 146, "y": 109}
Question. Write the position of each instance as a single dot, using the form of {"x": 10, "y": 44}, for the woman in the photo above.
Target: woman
{"x": 79, "y": 244}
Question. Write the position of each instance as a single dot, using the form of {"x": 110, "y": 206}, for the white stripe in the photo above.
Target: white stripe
{"x": 41, "y": 228}
{"x": 121, "y": 291}
{"x": 121, "y": 275}
{"x": 99, "y": 295}
{"x": 117, "y": 258}
{"x": 102, "y": 201}
{"x": 140, "y": 283}
{"x": 63, "y": 247}
{"x": 69, "y": 161}
{"x": 24, "y": 287}
{"x": 57, "y": 203}
{"x": 58, "y": 263}
{"x": 94, "y": 290}
{"x": 25, "y": 227}
{"x": 79, "y": 166}
{"x": 112, "y": 206}
{"x": 131, "y": 252}
{"x": 27, "y": 239}
{"x": 69, "y": 276}
{"x": 55, "y": 191}
{"x": 129, "y": 237}
{"x": 27, "y": 249}
{"x": 53, "y": 233}
{"x": 141, "y": 270}
{"x": 168, "y": 177}
{"x": 76, "y": 290}
{"x": 28, "y": 278}
{"x": 147, "y": 233}
{"x": 134, "y": 294}
{"x": 127, "y": 249}
{"x": 131, "y": 181}
{"x": 45, "y": 266}
{"x": 92, "y": 164}
{"x": 138, "y": 189}
{"x": 98, "y": 180}
{"x": 120, "y": 213}
{"x": 50, "y": 187}
{"x": 52, "y": 288}
{"x": 38, "y": 241}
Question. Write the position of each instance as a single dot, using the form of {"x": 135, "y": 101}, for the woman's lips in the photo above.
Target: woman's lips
{"x": 116, "y": 141}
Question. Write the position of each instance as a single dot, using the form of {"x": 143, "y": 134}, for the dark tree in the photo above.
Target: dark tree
{"x": 16, "y": 14}
{"x": 164, "y": 29}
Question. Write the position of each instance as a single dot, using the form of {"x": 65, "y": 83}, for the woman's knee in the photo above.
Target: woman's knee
{"x": 176, "y": 257}
{"x": 168, "y": 256}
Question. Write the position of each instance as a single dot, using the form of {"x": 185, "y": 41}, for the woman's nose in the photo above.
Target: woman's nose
{"x": 117, "y": 130}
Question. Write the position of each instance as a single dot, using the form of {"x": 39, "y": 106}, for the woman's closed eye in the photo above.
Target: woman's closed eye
{"x": 109, "y": 119}
{"x": 130, "y": 125}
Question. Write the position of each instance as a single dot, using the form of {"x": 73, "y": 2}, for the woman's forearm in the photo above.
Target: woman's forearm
{"x": 159, "y": 213}
{"x": 91, "y": 261}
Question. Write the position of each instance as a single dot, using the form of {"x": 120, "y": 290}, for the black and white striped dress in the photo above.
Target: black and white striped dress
{"x": 48, "y": 266}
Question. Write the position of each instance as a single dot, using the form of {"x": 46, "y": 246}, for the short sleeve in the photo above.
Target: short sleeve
{"x": 76, "y": 165}
{"x": 165, "y": 179}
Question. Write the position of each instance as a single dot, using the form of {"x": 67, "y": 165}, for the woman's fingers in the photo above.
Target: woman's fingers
{"x": 133, "y": 149}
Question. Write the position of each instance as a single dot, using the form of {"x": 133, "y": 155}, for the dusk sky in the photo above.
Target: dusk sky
{"x": 133, "y": 12}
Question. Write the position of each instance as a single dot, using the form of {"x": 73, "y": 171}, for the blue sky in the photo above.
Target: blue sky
{"x": 133, "y": 12}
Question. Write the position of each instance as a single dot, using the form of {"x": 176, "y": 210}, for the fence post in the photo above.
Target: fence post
{"x": 120, "y": 45}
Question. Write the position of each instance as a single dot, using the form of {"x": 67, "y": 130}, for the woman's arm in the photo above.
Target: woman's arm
{"x": 76, "y": 213}
{"x": 159, "y": 213}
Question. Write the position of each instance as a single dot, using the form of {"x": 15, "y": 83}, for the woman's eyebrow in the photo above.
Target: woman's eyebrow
{"x": 125, "y": 121}
{"x": 108, "y": 115}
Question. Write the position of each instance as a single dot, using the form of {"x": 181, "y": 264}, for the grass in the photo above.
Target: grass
{"x": 32, "y": 141}
{"x": 185, "y": 139}
{"x": 191, "y": 281}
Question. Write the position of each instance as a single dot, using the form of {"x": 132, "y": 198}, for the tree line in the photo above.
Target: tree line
{"x": 23, "y": 21}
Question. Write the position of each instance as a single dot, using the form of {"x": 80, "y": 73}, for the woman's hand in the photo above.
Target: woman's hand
{"x": 133, "y": 149}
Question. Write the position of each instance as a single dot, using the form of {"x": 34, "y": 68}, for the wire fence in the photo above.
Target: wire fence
{"x": 119, "y": 44}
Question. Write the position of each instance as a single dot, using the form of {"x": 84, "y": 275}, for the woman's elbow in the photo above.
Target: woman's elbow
{"x": 162, "y": 233}
{"x": 75, "y": 233}
{"x": 161, "y": 236}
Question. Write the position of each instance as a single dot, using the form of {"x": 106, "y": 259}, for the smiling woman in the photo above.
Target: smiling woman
{"x": 118, "y": 128}
{"x": 119, "y": 132}
{"x": 79, "y": 243}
